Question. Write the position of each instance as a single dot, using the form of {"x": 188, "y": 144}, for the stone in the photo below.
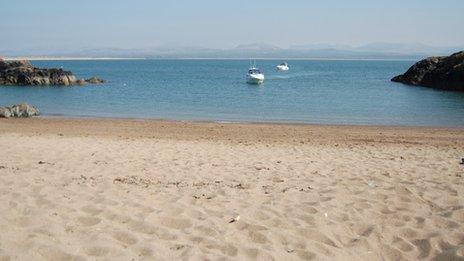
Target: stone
{"x": 81, "y": 82}
{"x": 22, "y": 110}
{"x": 95, "y": 80}
{"x": 444, "y": 72}
{"x": 5, "y": 112}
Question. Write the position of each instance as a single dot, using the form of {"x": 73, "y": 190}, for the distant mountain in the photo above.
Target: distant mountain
{"x": 257, "y": 47}
{"x": 258, "y": 50}
{"x": 407, "y": 48}
{"x": 320, "y": 46}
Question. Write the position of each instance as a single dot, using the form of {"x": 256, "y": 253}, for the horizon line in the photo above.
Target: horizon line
{"x": 59, "y": 58}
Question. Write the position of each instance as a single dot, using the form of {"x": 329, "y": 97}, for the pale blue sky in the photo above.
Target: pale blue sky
{"x": 47, "y": 24}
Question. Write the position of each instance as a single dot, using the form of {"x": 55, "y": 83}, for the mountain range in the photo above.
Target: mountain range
{"x": 255, "y": 50}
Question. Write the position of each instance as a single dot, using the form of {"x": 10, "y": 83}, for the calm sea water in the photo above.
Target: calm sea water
{"x": 339, "y": 92}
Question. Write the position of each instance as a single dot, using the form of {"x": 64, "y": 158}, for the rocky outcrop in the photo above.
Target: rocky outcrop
{"x": 24, "y": 73}
{"x": 446, "y": 73}
{"x": 95, "y": 80}
{"x": 23, "y": 110}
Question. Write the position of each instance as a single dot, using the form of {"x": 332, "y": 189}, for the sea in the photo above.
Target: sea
{"x": 312, "y": 91}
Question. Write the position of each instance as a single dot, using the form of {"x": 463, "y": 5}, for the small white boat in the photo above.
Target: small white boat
{"x": 283, "y": 67}
{"x": 255, "y": 76}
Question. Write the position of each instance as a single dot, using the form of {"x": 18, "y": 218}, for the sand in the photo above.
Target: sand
{"x": 96, "y": 189}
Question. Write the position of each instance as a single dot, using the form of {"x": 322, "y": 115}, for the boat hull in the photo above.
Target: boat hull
{"x": 255, "y": 79}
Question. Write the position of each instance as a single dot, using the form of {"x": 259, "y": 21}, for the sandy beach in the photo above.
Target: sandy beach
{"x": 107, "y": 189}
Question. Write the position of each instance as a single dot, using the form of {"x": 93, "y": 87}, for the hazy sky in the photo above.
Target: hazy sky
{"x": 65, "y": 25}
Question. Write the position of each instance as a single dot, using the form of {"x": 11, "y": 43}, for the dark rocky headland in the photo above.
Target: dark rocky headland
{"x": 24, "y": 73}
{"x": 444, "y": 72}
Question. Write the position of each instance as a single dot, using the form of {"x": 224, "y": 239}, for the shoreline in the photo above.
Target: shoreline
{"x": 220, "y": 131}
{"x": 245, "y": 122}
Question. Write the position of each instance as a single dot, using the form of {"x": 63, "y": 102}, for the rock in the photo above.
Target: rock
{"x": 81, "y": 82}
{"x": 24, "y": 73}
{"x": 95, "y": 80}
{"x": 22, "y": 110}
{"x": 5, "y": 112}
{"x": 3, "y": 65}
{"x": 445, "y": 73}
{"x": 20, "y": 63}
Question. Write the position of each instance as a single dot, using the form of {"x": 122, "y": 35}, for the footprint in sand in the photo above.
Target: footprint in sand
{"x": 309, "y": 209}
{"x": 445, "y": 223}
{"x": 175, "y": 223}
{"x": 125, "y": 238}
{"x": 456, "y": 239}
{"x": 207, "y": 231}
{"x": 309, "y": 220}
{"x": 164, "y": 234}
{"x": 141, "y": 227}
{"x": 402, "y": 244}
{"x": 22, "y": 221}
{"x": 260, "y": 215}
{"x": 363, "y": 230}
{"x": 318, "y": 237}
{"x": 52, "y": 253}
{"x": 97, "y": 251}
{"x": 424, "y": 247}
{"x": 91, "y": 210}
{"x": 257, "y": 237}
{"x": 391, "y": 253}
{"x": 251, "y": 252}
{"x": 145, "y": 252}
{"x": 88, "y": 221}
{"x": 306, "y": 255}
{"x": 226, "y": 249}
{"x": 41, "y": 201}
{"x": 408, "y": 233}
{"x": 419, "y": 222}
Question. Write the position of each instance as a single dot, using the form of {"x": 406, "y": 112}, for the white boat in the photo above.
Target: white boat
{"x": 283, "y": 67}
{"x": 255, "y": 76}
